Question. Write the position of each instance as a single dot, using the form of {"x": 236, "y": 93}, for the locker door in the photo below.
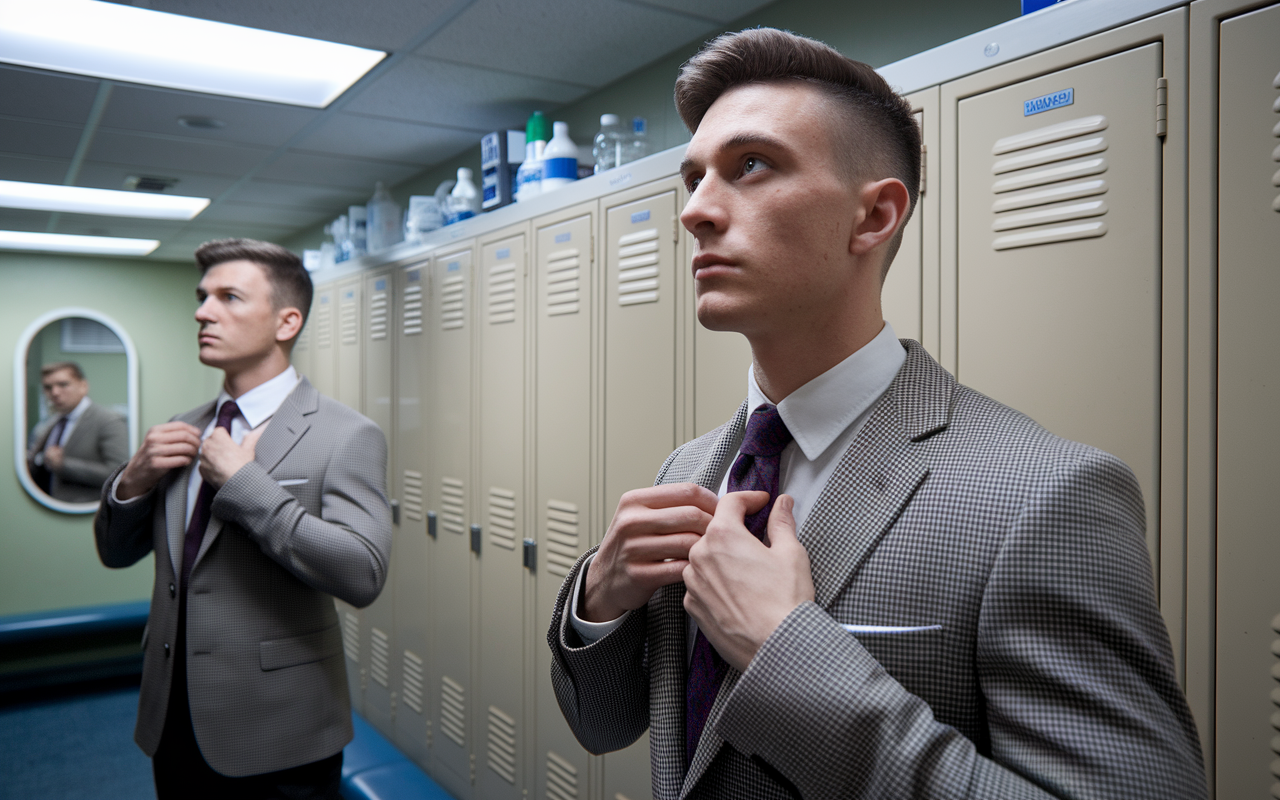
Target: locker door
{"x": 346, "y": 388}
{"x": 564, "y": 283}
{"x": 499, "y": 721}
{"x": 452, "y": 493}
{"x": 323, "y": 358}
{"x": 302, "y": 347}
{"x": 640, "y": 390}
{"x": 1059, "y": 255}
{"x": 383, "y": 685}
{"x": 1248, "y": 548}
{"x": 409, "y": 570}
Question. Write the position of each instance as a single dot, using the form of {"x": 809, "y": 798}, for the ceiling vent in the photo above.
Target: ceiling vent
{"x": 201, "y": 123}
{"x": 148, "y": 183}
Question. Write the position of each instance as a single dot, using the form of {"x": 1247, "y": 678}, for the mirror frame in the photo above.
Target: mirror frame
{"x": 20, "y": 400}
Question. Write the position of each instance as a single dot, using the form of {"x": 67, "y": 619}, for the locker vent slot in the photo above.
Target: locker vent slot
{"x": 452, "y": 302}
{"x": 380, "y": 657}
{"x": 453, "y": 710}
{"x": 502, "y": 518}
{"x": 413, "y": 674}
{"x": 347, "y": 324}
{"x": 562, "y": 778}
{"x": 638, "y": 267}
{"x": 351, "y": 636}
{"x": 304, "y": 339}
{"x": 1275, "y": 693}
{"x": 378, "y": 316}
{"x": 502, "y": 293}
{"x": 502, "y": 745}
{"x": 412, "y": 320}
{"x": 412, "y": 495}
{"x": 562, "y": 537}
{"x": 324, "y": 326}
{"x": 564, "y": 296}
{"x": 1275, "y": 206}
{"x": 1051, "y": 172}
{"x": 451, "y": 506}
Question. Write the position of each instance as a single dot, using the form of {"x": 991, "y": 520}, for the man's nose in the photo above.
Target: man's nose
{"x": 702, "y": 213}
{"x": 203, "y": 311}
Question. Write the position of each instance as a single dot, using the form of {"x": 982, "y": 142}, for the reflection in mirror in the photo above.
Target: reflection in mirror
{"x": 77, "y": 419}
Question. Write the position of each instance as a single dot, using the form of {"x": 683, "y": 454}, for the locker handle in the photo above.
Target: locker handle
{"x": 475, "y": 539}
{"x": 395, "y": 512}
{"x": 530, "y": 555}
{"x": 431, "y": 524}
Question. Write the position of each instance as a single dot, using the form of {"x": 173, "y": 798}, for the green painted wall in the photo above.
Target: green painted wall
{"x": 48, "y": 560}
{"x": 875, "y": 32}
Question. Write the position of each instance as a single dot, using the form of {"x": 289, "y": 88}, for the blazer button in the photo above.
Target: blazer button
{"x": 173, "y": 590}
{"x": 166, "y": 649}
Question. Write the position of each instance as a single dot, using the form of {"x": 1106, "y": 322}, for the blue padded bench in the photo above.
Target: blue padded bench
{"x": 22, "y": 628}
{"x": 373, "y": 769}
{"x": 70, "y": 646}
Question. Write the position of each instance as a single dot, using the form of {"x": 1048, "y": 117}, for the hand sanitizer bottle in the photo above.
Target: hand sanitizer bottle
{"x": 464, "y": 200}
{"x": 560, "y": 159}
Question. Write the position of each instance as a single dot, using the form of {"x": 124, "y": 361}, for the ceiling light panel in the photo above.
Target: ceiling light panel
{"x": 79, "y": 200}
{"x": 137, "y": 45}
{"x": 65, "y": 243}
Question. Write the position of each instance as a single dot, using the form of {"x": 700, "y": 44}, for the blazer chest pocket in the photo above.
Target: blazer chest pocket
{"x": 305, "y": 649}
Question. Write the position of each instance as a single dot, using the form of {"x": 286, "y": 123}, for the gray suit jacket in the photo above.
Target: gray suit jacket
{"x": 98, "y": 444}
{"x": 1051, "y": 676}
{"x": 307, "y": 521}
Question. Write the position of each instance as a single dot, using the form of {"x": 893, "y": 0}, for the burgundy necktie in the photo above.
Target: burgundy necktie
{"x": 756, "y": 469}
{"x": 204, "y": 503}
{"x": 54, "y": 439}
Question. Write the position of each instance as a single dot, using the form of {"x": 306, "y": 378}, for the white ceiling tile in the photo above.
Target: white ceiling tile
{"x": 95, "y": 225}
{"x": 169, "y": 154}
{"x": 719, "y": 10}
{"x": 45, "y": 95}
{"x": 22, "y": 219}
{"x": 299, "y": 195}
{"x": 349, "y": 173}
{"x": 30, "y": 138}
{"x": 95, "y": 175}
{"x": 263, "y": 214}
{"x": 389, "y": 140}
{"x": 33, "y": 170}
{"x": 587, "y": 42}
{"x": 152, "y": 110}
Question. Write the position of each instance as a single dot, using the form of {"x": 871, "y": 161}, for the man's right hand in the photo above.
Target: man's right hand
{"x": 646, "y": 547}
{"x": 165, "y": 447}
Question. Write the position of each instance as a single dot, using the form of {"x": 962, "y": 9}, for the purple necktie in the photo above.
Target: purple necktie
{"x": 204, "y": 503}
{"x": 756, "y": 469}
{"x": 54, "y": 439}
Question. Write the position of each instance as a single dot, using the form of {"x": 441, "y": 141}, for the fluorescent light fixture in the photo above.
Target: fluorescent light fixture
{"x": 78, "y": 200}
{"x": 138, "y": 45}
{"x": 66, "y": 243}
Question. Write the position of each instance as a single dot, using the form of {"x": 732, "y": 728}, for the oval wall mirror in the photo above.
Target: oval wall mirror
{"x": 75, "y": 407}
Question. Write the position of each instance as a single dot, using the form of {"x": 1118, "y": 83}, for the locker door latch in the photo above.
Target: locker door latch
{"x": 395, "y": 512}
{"x": 530, "y": 555}
{"x": 475, "y": 539}
{"x": 431, "y": 524}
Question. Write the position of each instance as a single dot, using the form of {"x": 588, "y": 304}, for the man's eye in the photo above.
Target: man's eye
{"x": 693, "y": 185}
{"x": 750, "y": 165}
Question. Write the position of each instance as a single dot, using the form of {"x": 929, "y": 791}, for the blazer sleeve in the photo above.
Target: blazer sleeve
{"x": 108, "y": 449}
{"x": 122, "y": 531}
{"x": 344, "y": 551}
{"x": 1073, "y": 659}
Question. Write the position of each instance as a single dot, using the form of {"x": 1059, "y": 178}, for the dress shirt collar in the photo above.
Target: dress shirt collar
{"x": 818, "y": 412}
{"x": 77, "y": 412}
{"x": 261, "y": 402}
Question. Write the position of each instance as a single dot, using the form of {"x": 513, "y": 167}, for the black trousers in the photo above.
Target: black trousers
{"x": 181, "y": 773}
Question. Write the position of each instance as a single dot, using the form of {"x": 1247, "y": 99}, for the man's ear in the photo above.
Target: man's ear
{"x": 288, "y": 324}
{"x": 882, "y": 207}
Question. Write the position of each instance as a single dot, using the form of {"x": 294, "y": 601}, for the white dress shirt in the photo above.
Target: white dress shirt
{"x": 824, "y": 416}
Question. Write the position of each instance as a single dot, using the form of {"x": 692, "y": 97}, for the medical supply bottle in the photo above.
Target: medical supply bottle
{"x": 464, "y": 200}
{"x": 529, "y": 176}
{"x": 609, "y": 144}
{"x": 559, "y": 159}
{"x": 384, "y": 225}
{"x": 357, "y": 231}
{"x": 638, "y": 147}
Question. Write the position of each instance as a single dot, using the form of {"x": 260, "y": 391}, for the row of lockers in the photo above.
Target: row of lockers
{"x": 1104, "y": 266}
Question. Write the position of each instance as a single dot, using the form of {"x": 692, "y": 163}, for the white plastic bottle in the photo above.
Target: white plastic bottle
{"x": 560, "y": 159}
{"x": 464, "y": 200}
{"x": 341, "y": 239}
{"x": 609, "y": 144}
{"x": 638, "y": 147}
{"x": 385, "y": 226}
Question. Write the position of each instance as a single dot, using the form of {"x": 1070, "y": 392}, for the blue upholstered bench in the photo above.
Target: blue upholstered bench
{"x": 373, "y": 769}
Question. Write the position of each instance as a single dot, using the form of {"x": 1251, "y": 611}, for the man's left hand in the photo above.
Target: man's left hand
{"x": 221, "y": 457}
{"x": 53, "y": 458}
{"x": 740, "y": 589}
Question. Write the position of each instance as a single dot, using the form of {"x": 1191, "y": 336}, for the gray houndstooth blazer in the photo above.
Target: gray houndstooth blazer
{"x": 1051, "y": 675}
{"x": 307, "y": 521}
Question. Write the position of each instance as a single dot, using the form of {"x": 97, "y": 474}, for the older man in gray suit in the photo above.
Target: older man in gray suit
{"x": 948, "y": 601}
{"x": 261, "y": 507}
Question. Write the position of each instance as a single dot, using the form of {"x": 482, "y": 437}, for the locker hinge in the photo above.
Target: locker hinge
{"x": 1162, "y": 106}
{"x": 475, "y": 539}
{"x": 924, "y": 165}
{"x": 675, "y": 229}
{"x": 395, "y": 512}
{"x": 530, "y": 554}
{"x": 592, "y": 242}
{"x": 431, "y": 524}
{"x": 473, "y": 769}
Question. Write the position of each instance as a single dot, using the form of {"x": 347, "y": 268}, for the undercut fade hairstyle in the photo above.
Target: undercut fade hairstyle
{"x": 49, "y": 369}
{"x": 290, "y": 282}
{"x": 874, "y": 132}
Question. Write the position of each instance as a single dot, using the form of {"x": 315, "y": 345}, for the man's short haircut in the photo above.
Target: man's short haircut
{"x": 291, "y": 285}
{"x": 877, "y": 135}
{"x": 49, "y": 369}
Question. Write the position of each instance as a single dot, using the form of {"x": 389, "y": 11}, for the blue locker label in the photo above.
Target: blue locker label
{"x": 454, "y": 266}
{"x": 324, "y": 299}
{"x": 561, "y": 238}
{"x": 1048, "y": 102}
{"x": 350, "y": 295}
{"x": 640, "y": 216}
{"x": 504, "y": 253}
{"x": 380, "y": 285}
{"x": 415, "y": 275}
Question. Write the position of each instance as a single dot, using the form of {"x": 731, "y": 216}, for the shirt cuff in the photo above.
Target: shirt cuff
{"x": 115, "y": 498}
{"x": 590, "y": 632}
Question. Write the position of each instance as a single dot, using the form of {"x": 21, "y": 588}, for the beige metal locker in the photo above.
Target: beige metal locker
{"x": 383, "y": 685}
{"x": 323, "y": 354}
{"x": 566, "y": 464}
{"x": 499, "y": 722}
{"x": 346, "y": 389}
{"x": 1061, "y": 264}
{"x": 409, "y": 559}
{"x": 451, "y": 489}
{"x": 641, "y": 301}
{"x": 302, "y": 346}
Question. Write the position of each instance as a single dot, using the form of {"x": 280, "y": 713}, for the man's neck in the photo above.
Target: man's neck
{"x": 239, "y": 381}
{"x": 783, "y": 364}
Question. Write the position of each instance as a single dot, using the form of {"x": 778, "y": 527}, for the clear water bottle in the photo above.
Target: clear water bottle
{"x": 385, "y": 226}
{"x": 638, "y": 147}
{"x": 610, "y": 144}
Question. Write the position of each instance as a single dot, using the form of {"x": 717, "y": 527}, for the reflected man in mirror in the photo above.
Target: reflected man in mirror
{"x": 74, "y": 451}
